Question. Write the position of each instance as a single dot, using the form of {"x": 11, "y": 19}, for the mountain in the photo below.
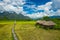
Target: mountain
{"x": 12, "y": 16}
{"x": 54, "y": 16}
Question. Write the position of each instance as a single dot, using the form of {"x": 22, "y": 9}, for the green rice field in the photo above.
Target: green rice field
{"x": 5, "y": 30}
{"x": 26, "y": 30}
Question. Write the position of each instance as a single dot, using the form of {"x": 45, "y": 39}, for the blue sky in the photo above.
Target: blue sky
{"x": 32, "y": 8}
{"x": 38, "y": 2}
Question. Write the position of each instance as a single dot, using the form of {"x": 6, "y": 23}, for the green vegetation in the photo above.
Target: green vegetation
{"x": 46, "y": 18}
{"x": 26, "y": 30}
{"x": 57, "y": 21}
{"x": 5, "y": 30}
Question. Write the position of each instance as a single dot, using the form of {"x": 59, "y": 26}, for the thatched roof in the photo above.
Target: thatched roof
{"x": 47, "y": 23}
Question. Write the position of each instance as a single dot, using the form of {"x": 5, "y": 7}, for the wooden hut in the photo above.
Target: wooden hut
{"x": 45, "y": 24}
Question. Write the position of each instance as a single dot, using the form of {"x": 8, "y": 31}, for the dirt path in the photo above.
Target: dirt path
{"x": 13, "y": 32}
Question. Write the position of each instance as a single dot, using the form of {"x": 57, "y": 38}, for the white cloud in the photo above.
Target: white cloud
{"x": 9, "y": 5}
{"x": 41, "y": 14}
{"x": 57, "y": 13}
{"x": 56, "y": 4}
{"x": 46, "y": 12}
{"x": 17, "y": 6}
{"x": 36, "y": 15}
{"x": 12, "y": 8}
{"x": 47, "y": 6}
{"x": 6, "y": 1}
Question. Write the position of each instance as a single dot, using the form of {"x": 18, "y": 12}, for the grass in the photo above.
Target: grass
{"x": 57, "y": 21}
{"x": 6, "y": 22}
{"x": 28, "y": 31}
{"x": 5, "y": 30}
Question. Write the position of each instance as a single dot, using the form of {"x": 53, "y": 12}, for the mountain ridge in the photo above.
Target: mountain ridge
{"x": 12, "y": 16}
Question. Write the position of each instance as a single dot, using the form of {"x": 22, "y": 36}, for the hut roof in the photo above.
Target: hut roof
{"x": 47, "y": 23}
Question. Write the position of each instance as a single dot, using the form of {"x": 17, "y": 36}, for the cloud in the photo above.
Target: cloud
{"x": 12, "y": 5}
{"x": 57, "y": 13}
{"x": 48, "y": 8}
{"x": 36, "y": 15}
{"x": 56, "y": 7}
{"x": 40, "y": 14}
{"x": 56, "y": 4}
{"x": 12, "y": 8}
{"x": 33, "y": 11}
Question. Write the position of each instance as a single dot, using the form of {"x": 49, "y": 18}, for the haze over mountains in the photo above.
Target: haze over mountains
{"x": 12, "y": 16}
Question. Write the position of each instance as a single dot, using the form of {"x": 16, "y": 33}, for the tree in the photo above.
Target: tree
{"x": 46, "y": 18}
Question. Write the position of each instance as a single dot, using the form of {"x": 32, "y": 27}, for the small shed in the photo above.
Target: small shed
{"x": 45, "y": 24}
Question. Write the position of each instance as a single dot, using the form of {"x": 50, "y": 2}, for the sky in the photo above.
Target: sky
{"x": 32, "y": 8}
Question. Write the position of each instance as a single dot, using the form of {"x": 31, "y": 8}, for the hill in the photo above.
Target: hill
{"x": 12, "y": 16}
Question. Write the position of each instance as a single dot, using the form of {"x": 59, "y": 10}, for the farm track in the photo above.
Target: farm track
{"x": 13, "y": 32}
